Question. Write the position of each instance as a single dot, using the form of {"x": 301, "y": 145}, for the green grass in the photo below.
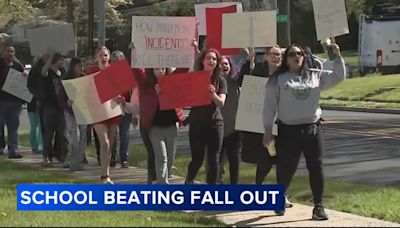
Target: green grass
{"x": 13, "y": 174}
{"x": 368, "y": 92}
{"x": 350, "y": 57}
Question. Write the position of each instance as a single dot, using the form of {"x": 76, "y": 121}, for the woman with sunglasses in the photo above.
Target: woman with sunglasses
{"x": 253, "y": 150}
{"x": 293, "y": 94}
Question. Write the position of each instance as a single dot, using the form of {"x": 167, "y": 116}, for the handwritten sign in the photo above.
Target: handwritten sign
{"x": 184, "y": 90}
{"x": 87, "y": 107}
{"x": 59, "y": 38}
{"x": 200, "y": 11}
{"x": 114, "y": 80}
{"x": 240, "y": 30}
{"x": 15, "y": 84}
{"x": 330, "y": 18}
{"x": 251, "y": 103}
{"x": 163, "y": 41}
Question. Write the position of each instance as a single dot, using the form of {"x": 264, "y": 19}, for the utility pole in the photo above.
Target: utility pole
{"x": 102, "y": 22}
{"x": 283, "y": 19}
{"x": 90, "y": 27}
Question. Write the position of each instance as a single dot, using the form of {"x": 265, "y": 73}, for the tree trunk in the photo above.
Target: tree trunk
{"x": 70, "y": 11}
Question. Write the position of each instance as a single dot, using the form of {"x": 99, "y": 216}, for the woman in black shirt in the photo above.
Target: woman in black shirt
{"x": 206, "y": 129}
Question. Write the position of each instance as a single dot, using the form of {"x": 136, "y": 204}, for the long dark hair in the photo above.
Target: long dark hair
{"x": 199, "y": 63}
{"x": 151, "y": 79}
{"x": 71, "y": 72}
{"x": 283, "y": 68}
{"x": 232, "y": 65}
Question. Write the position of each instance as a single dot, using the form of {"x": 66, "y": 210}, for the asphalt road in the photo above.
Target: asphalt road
{"x": 360, "y": 147}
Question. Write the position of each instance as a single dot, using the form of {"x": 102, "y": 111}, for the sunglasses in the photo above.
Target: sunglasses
{"x": 295, "y": 53}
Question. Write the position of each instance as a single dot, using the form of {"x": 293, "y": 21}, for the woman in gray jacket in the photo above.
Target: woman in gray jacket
{"x": 293, "y": 94}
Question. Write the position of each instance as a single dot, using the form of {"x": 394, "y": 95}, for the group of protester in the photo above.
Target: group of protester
{"x": 291, "y": 97}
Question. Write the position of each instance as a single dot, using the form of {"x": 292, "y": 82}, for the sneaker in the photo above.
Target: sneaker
{"x": 188, "y": 181}
{"x": 112, "y": 163}
{"x": 319, "y": 213}
{"x": 14, "y": 156}
{"x": 106, "y": 180}
{"x": 47, "y": 163}
{"x": 280, "y": 213}
{"x": 124, "y": 164}
{"x": 288, "y": 204}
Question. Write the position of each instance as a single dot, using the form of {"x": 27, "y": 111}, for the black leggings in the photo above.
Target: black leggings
{"x": 291, "y": 142}
{"x": 231, "y": 147}
{"x": 202, "y": 137}
{"x": 263, "y": 168}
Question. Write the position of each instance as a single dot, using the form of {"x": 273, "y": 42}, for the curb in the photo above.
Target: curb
{"x": 372, "y": 110}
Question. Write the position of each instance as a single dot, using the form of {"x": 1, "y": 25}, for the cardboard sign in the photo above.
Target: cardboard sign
{"x": 16, "y": 84}
{"x": 200, "y": 11}
{"x": 59, "y": 38}
{"x": 114, "y": 80}
{"x": 330, "y": 18}
{"x": 214, "y": 29}
{"x": 251, "y": 103}
{"x": 185, "y": 90}
{"x": 87, "y": 107}
{"x": 242, "y": 30}
{"x": 163, "y": 42}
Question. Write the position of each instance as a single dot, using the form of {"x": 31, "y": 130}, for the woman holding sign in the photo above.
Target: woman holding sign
{"x": 206, "y": 130}
{"x": 160, "y": 125}
{"x": 253, "y": 150}
{"x": 293, "y": 94}
{"x": 232, "y": 139}
{"x": 76, "y": 144}
{"x": 107, "y": 129}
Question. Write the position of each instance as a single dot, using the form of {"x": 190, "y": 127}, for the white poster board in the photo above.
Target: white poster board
{"x": 59, "y": 38}
{"x": 16, "y": 84}
{"x": 86, "y": 105}
{"x": 241, "y": 30}
{"x": 163, "y": 41}
{"x": 250, "y": 108}
{"x": 330, "y": 18}
{"x": 200, "y": 12}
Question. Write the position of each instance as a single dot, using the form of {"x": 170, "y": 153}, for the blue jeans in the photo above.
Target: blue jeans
{"x": 2, "y": 139}
{"x": 124, "y": 137}
{"x": 9, "y": 117}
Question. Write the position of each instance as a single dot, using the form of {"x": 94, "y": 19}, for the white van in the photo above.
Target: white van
{"x": 379, "y": 44}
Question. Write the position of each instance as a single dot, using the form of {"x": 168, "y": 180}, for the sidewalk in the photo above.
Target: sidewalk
{"x": 298, "y": 216}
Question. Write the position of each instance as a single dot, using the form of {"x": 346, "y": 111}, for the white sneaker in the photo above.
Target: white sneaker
{"x": 106, "y": 180}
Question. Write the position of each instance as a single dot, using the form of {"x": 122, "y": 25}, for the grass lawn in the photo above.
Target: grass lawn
{"x": 350, "y": 57}
{"x": 368, "y": 92}
{"x": 13, "y": 174}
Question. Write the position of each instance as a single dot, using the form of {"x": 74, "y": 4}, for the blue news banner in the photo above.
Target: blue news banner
{"x": 48, "y": 197}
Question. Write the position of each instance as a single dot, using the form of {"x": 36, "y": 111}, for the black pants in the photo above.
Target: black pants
{"x": 291, "y": 142}
{"x": 263, "y": 167}
{"x": 53, "y": 127}
{"x": 231, "y": 147}
{"x": 202, "y": 136}
{"x": 151, "y": 162}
